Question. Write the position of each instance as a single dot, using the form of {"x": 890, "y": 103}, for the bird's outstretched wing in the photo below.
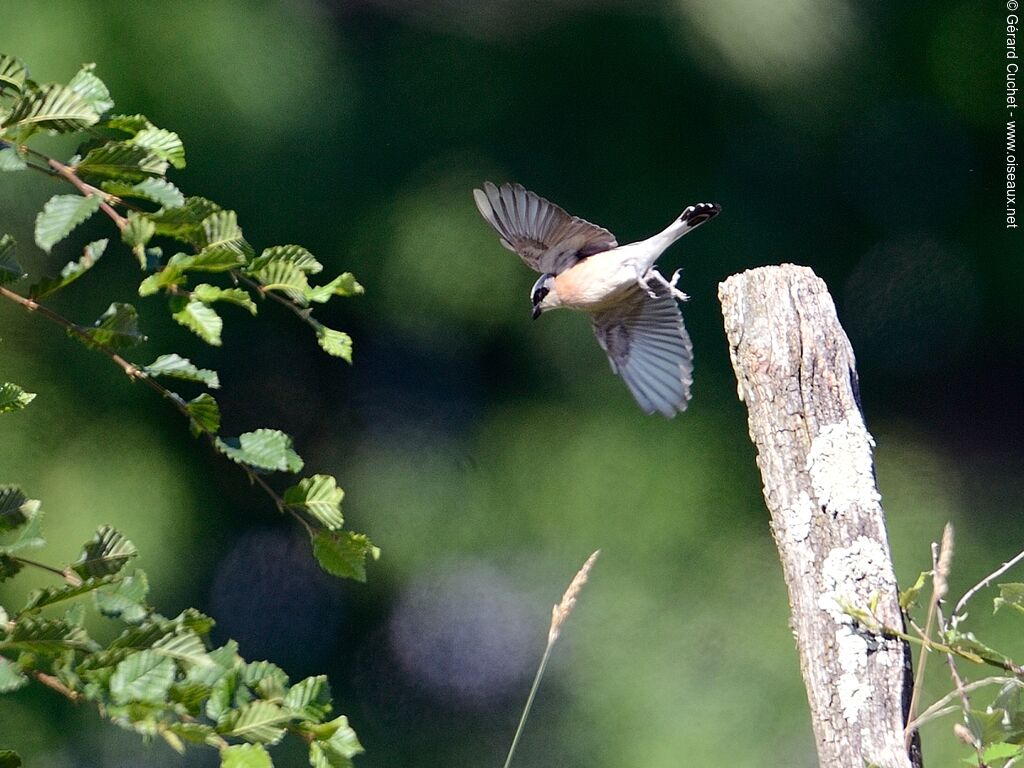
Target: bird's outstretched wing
{"x": 547, "y": 238}
{"x": 648, "y": 346}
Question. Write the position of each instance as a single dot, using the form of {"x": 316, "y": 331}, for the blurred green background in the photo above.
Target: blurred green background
{"x": 486, "y": 454}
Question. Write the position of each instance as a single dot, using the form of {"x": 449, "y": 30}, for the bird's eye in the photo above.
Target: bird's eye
{"x": 539, "y": 294}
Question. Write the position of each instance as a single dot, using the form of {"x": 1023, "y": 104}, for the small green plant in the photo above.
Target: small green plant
{"x": 158, "y": 677}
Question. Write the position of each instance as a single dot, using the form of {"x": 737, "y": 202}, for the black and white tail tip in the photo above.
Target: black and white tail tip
{"x": 697, "y": 214}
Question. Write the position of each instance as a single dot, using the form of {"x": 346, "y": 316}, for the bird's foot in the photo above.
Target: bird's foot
{"x": 642, "y": 280}
{"x": 672, "y": 284}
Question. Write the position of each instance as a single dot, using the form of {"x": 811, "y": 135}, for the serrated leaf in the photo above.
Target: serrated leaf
{"x": 122, "y": 160}
{"x": 184, "y": 222}
{"x": 60, "y": 215}
{"x": 185, "y": 648}
{"x": 11, "y": 678}
{"x": 165, "y": 278}
{"x": 138, "y": 231}
{"x": 106, "y": 553}
{"x": 71, "y": 271}
{"x": 1010, "y": 596}
{"x": 310, "y": 698}
{"x": 13, "y": 397}
{"x": 268, "y": 449}
{"x": 266, "y": 679}
{"x": 338, "y": 749}
{"x": 285, "y": 277}
{"x": 223, "y": 240}
{"x": 205, "y": 414}
{"x": 178, "y": 367}
{"x": 343, "y": 553}
{"x": 10, "y": 269}
{"x": 12, "y": 160}
{"x": 320, "y": 496}
{"x": 52, "y": 107}
{"x": 198, "y": 318}
{"x": 18, "y": 513}
{"x": 207, "y": 294}
{"x": 47, "y": 636}
{"x": 343, "y": 285}
{"x": 12, "y": 73}
{"x": 162, "y": 143}
{"x": 145, "y": 676}
{"x": 14, "y": 510}
{"x": 128, "y": 123}
{"x": 93, "y": 90}
{"x": 258, "y": 721}
{"x": 50, "y": 595}
{"x": 157, "y": 190}
{"x": 125, "y": 599}
{"x": 116, "y": 329}
{"x": 295, "y": 255}
{"x": 336, "y": 343}
{"x": 245, "y": 756}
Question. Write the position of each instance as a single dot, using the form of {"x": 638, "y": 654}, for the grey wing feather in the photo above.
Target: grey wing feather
{"x": 648, "y": 346}
{"x": 546, "y": 237}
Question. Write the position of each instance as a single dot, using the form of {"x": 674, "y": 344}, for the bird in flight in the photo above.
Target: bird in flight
{"x": 631, "y": 305}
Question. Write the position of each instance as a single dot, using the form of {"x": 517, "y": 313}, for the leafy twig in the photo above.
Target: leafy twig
{"x": 962, "y": 603}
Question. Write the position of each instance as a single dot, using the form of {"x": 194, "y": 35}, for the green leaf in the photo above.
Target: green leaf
{"x": 47, "y": 636}
{"x": 11, "y": 678}
{"x": 130, "y": 124}
{"x": 91, "y": 89}
{"x": 50, "y": 595}
{"x": 909, "y": 596}
{"x": 186, "y": 648}
{"x": 223, "y": 240}
{"x": 295, "y": 255}
{"x": 310, "y": 698}
{"x": 199, "y": 318}
{"x": 122, "y": 160}
{"x": 157, "y": 190}
{"x": 178, "y": 367}
{"x": 268, "y": 449}
{"x": 337, "y": 749}
{"x": 164, "y": 144}
{"x": 9, "y": 759}
{"x": 145, "y": 676}
{"x": 205, "y": 414}
{"x": 320, "y": 496}
{"x": 343, "y": 553}
{"x": 184, "y": 222}
{"x": 13, "y": 397}
{"x": 207, "y": 294}
{"x": 106, "y": 553}
{"x": 258, "y": 721}
{"x": 12, "y": 73}
{"x": 343, "y": 285}
{"x": 12, "y": 160}
{"x": 267, "y": 679}
{"x": 71, "y": 271}
{"x": 60, "y": 215}
{"x": 285, "y": 277}
{"x": 116, "y": 329}
{"x": 53, "y": 107}
{"x": 336, "y": 343}
{"x": 138, "y": 231}
{"x": 165, "y": 278}
{"x": 125, "y": 599}
{"x": 10, "y": 269}
{"x": 245, "y": 756}
{"x": 1010, "y": 596}
{"x": 14, "y": 509}
{"x": 9, "y": 567}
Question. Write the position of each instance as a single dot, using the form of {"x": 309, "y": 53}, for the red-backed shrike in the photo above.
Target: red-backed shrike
{"x": 631, "y": 305}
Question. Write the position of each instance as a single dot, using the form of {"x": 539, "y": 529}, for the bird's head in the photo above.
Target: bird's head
{"x": 543, "y": 295}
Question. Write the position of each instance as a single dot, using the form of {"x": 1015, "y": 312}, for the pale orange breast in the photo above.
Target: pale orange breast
{"x": 595, "y": 282}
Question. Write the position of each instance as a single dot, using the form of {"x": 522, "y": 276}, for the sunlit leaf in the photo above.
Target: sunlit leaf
{"x": 320, "y": 496}
{"x": 155, "y": 189}
{"x": 138, "y": 231}
{"x": 245, "y": 756}
{"x": 198, "y": 318}
{"x": 184, "y": 222}
{"x": 53, "y": 107}
{"x": 909, "y": 596}
{"x": 222, "y": 237}
{"x": 12, "y": 73}
{"x": 337, "y": 749}
{"x": 162, "y": 143}
{"x": 10, "y": 269}
{"x": 128, "y": 123}
{"x": 343, "y": 285}
{"x": 87, "y": 85}
{"x": 185, "y": 647}
{"x": 268, "y": 449}
{"x": 13, "y": 397}
{"x": 336, "y": 343}
{"x": 285, "y": 277}
{"x": 295, "y": 255}
{"x": 178, "y": 367}
{"x": 207, "y": 294}
{"x": 342, "y": 553}
{"x": 205, "y": 414}
{"x": 71, "y": 271}
{"x": 60, "y": 215}
{"x": 11, "y": 678}
{"x": 122, "y": 160}
{"x": 144, "y": 676}
{"x": 47, "y": 636}
{"x": 106, "y": 553}
{"x": 1011, "y": 596}
{"x": 116, "y": 329}
{"x": 258, "y": 721}
{"x": 50, "y": 595}
{"x": 310, "y": 698}
{"x": 125, "y": 599}
{"x": 12, "y": 160}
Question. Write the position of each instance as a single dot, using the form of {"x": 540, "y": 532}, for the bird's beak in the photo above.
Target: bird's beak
{"x": 536, "y": 311}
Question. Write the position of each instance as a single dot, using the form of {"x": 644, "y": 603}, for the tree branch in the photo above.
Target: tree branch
{"x": 795, "y": 370}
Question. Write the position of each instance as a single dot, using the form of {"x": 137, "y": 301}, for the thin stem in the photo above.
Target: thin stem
{"x": 55, "y": 684}
{"x": 984, "y": 583}
{"x": 529, "y": 703}
{"x": 88, "y": 190}
{"x": 302, "y": 312}
{"x": 908, "y": 733}
{"x": 45, "y": 567}
{"x": 937, "y": 709}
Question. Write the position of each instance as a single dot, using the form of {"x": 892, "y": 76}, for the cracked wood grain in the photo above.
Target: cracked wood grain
{"x": 796, "y": 374}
